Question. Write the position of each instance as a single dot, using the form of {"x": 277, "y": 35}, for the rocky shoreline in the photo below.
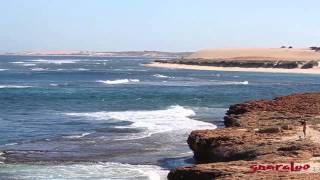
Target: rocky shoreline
{"x": 283, "y": 64}
{"x": 262, "y": 139}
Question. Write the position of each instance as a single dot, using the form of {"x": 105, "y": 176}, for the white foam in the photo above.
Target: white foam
{"x": 11, "y": 144}
{"x": 82, "y": 69}
{"x": 161, "y": 76}
{"x": 119, "y": 81}
{"x": 18, "y": 62}
{"x": 39, "y": 69}
{"x": 4, "y": 69}
{"x": 244, "y": 82}
{"x": 28, "y": 64}
{"x": 175, "y": 118}
{"x": 77, "y": 136}
{"x": 231, "y": 82}
{"x": 2, "y": 158}
{"x": 55, "y": 61}
{"x": 13, "y": 86}
{"x": 108, "y": 170}
{"x": 54, "y": 84}
{"x": 134, "y": 80}
{"x": 102, "y": 60}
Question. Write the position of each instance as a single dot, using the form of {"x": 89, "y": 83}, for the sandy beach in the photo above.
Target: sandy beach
{"x": 234, "y": 69}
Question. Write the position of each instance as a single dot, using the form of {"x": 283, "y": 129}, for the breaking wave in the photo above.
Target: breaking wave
{"x": 175, "y": 118}
{"x": 108, "y": 170}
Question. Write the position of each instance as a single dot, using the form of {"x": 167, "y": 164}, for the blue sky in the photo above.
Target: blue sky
{"x": 167, "y": 25}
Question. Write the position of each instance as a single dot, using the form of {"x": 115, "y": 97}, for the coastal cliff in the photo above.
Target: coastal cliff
{"x": 263, "y": 139}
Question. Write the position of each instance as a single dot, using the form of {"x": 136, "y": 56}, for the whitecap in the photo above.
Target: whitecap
{"x": 11, "y": 144}
{"x": 2, "y": 159}
{"x": 160, "y": 76}
{"x": 4, "y": 69}
{"x": 53, "y": 84}
{"x": 82, "y": 69}
{"x": 102, "y": 60}
{"x": 13, "y": 86}
{"x": 119, "y": 81}
{"x": 175, "y": 118}
{"x": 134, "y": 80}
{"x": 54, "y": 61}
{"x": 244, "y": 82}
{"x": 108, "y": 170}
{"x": 61, "y": 69}
{"x": 231, "y": 82}
{"x": 28, "y": 64}
{"x": 18, "y": 62}
{"x": 77, "y": 136}
{"x": 39, "y": 69}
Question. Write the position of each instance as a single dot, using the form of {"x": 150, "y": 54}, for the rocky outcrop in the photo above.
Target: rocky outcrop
{"x": 258, "y": 132}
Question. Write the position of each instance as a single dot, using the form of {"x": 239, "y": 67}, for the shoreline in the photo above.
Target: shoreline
{"x": 233, "y": 69}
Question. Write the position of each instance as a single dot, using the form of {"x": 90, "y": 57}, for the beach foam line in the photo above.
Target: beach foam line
{"x": 175, "y": 118}
{"x": 119, "y": 81}
{"x": 108, "y": 170}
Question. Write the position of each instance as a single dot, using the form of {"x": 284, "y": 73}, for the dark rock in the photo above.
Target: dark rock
{"x": 270, "y": 130}
{"x": 286, "y": 127}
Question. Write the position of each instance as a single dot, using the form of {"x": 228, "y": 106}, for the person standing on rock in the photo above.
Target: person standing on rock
{"x": 304, "y": 127}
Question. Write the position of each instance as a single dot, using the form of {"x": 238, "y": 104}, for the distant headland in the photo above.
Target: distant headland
{"x": 277, "y": 60}
{"x": 103, "y": 53}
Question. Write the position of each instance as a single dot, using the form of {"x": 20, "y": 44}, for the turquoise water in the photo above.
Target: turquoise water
{"x": 113, "y": 118}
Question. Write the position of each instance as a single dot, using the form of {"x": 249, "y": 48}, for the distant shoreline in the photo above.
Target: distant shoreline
{"x": 233, "y": 69}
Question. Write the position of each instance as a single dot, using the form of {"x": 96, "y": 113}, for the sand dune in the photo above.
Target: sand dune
{"x": 257, "y": 54}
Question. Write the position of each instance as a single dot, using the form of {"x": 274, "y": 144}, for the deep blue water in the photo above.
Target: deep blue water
{"x": 115, "y": 113}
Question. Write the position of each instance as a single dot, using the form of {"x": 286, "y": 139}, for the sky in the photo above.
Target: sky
{"x": 165, "y": 25}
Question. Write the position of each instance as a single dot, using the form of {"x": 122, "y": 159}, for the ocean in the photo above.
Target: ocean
{"x": 112, "y": 117}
